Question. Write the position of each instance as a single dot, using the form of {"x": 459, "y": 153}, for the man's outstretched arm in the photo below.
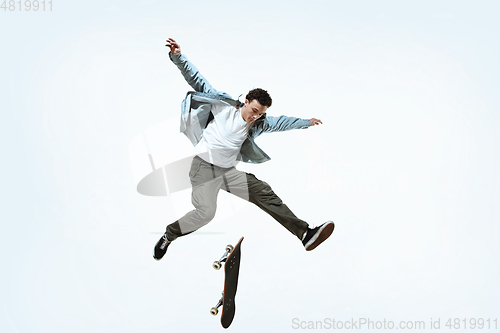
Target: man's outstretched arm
{"x": 284, "y": 123}
{"x": 189, "y": 71}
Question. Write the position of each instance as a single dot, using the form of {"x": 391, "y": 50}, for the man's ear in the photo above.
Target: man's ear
{"x": 246, "y": 102}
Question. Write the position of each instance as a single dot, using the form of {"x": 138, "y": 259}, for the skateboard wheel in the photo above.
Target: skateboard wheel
{"x": 216, "y": 265}
{"x": 229, "y": 248}
{"x": 214, "y": 311}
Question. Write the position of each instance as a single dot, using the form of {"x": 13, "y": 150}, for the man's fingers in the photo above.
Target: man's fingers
{"x": 315, "y": 121}
{"x": 174, "y": 47}
{"x": 172, "y": 42}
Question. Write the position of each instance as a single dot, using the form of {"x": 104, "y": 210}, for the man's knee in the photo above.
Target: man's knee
{"x": 262, "y": 191}
{"x": 205, "y": 214}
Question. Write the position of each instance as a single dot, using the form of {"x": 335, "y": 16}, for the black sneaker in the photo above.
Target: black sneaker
{"x": 161, "y": 247}
{"x": 318, "y": 235}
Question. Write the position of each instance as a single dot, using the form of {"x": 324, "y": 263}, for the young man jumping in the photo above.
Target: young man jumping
{"x": 223, "y": 131}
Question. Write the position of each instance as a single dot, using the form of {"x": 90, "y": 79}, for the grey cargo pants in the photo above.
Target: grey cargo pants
{"x": 207, "y": 179}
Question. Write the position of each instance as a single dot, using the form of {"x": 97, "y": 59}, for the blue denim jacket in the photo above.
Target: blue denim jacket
{"x": 196, "y": 106}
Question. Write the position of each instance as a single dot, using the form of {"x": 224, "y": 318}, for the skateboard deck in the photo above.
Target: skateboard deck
{"x": 231, "y": 274}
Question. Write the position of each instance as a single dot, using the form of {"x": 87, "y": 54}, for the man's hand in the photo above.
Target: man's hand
{"x": 174, "y": 47}
{"x": 315, "y": 121}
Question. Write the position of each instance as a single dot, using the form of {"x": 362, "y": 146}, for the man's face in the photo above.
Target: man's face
{"x": 252, "y": 111}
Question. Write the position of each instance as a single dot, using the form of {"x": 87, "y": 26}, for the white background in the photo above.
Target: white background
{"x": 406, "y": 163}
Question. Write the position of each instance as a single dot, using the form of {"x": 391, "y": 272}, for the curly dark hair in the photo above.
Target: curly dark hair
{"x": 261, "y": 95}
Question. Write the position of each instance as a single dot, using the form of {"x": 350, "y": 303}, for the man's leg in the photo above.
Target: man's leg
{"x": 248, "y": 187}
{"x": 206, "y": 185}
{"x": 262, "y": 195}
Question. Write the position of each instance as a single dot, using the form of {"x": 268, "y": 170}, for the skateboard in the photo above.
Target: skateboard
{"x": 231, "y": 258}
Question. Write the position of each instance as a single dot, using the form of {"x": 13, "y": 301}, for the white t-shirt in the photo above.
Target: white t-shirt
{"x": 223, "y": 137}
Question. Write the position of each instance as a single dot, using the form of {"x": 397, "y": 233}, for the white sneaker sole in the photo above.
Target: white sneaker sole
{"x": 321, "y": 235}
